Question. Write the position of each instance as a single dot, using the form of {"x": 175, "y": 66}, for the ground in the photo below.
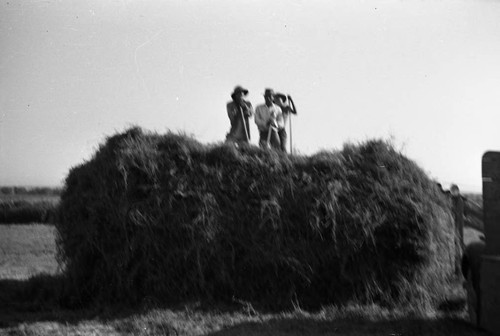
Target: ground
{"x": 27, "y": 261}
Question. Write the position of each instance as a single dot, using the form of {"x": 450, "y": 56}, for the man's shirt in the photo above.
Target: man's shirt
{"x": 238, "y": 125}
{"x": 264, "y": 113}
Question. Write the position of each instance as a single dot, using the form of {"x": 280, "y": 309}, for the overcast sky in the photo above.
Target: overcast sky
{"x": 423, "y": 73}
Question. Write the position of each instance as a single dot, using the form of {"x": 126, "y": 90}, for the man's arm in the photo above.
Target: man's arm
{"x": 247, "y": 108}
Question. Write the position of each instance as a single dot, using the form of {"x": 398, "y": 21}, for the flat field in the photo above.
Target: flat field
{"x": 27, "y": 264}
{"x": 27, "y": 250}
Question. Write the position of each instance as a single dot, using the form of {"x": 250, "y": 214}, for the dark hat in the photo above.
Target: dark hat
{"x": 238, "y": 89}
{"x": 281, "y": 96}
{"x": 269, "y": 92}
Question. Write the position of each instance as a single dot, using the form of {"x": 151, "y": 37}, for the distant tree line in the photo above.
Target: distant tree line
{"x": 30, "y": 191}
{"x": 25, "y": 205}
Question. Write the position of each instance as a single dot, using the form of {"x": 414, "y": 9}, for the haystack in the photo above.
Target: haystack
{"x": 165, "y": 217}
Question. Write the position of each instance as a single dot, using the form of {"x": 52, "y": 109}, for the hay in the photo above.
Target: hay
{"x": 163, "y": 216}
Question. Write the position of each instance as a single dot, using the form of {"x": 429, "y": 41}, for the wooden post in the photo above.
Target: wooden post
{"x": 290, "y": 121}
{"x": 458, "y": 217}
{"x": 490, "y": 262}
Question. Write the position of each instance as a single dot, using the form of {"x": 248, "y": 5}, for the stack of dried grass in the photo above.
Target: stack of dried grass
{"x": 164, "y": 216}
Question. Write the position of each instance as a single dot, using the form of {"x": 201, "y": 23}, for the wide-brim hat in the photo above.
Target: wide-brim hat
{"x": 281, "y": 96}
{"x": 269, "y": 92}
{"x": 238, "y": 89}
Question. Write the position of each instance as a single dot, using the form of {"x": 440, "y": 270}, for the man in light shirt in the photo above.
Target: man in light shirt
{"x": 268, "y": 117}
{"x": 287, "y": 107}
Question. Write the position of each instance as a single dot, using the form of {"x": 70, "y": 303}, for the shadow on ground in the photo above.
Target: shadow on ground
{"x": 400, "y": 327}
{"x": 36, "y": 300}
{"x": 39, "y": 299}
{"x": 42, "y": 298}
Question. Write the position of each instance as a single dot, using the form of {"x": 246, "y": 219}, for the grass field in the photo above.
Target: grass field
{"x": 26, "y": 250}
{"x": 27, "y": 264}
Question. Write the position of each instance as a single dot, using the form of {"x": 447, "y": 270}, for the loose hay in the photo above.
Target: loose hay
{"x": 164, "y": 216}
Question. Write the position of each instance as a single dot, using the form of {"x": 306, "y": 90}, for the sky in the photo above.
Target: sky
{"x": 423, "y": 74}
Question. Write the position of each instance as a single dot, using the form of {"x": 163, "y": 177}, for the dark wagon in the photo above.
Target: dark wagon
{"x": 481, "y": 259}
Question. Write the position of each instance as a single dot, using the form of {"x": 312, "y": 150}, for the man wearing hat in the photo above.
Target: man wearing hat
{"x": 239, "y": 111}
{"x": 287, "y": 107}
{"x": 266, "y": 118}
